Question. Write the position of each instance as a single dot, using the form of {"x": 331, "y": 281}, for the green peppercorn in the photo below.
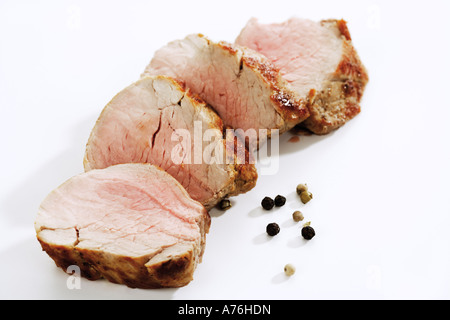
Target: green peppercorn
{"x": 225, "y": 204}
{"x": 297, "y": 216}
{"x": 301, "y": 188}
{"x": 272, "y": 229}
{"x": 280, "y": 201}
{"x": 308, "y": 232}
{"x": 306, "y": 196}
{"x": 267, "y": 203}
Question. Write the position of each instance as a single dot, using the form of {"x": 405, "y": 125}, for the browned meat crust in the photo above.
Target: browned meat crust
{"x": 339, "y": 99}
{"x": 94, "y": 265}
{"x": 171, "y": 268}
{"x": 291, "y": 108}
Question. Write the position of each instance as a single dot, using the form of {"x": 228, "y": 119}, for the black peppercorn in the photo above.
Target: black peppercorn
{"x": 280, "y": 201}
{"x": 272, "y": 229}
{"x": 224, "y": 204}
{"x": 267, "y": 203}
{"x": 308, "y": 233}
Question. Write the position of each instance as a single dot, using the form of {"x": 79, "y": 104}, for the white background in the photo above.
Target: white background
{"x": 381, "y": 184}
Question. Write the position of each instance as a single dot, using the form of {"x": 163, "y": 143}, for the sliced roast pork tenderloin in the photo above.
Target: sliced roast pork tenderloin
{"x": 157, "y": 121}
{"x": 317, "y": 59}
{"x": 242, "y": 85}
{"x": 131, "y": 224}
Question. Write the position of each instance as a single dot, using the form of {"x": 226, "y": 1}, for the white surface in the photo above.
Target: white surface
{"x": 381, "y": 205}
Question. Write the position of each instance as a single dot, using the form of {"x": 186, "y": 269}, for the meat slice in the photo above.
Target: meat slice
{"x": 316, "y": 57}
{"x": 157, "y": 121}
{"x": 132, "y": 224}
{"x": 241, "y": 85}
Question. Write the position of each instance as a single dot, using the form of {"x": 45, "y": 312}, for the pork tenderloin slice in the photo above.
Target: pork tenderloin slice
{"x": 132, "y": 224}
{"x": 314, "y": 57}
{"x": 242, "y": 85}
{"x": 157, "y": 121}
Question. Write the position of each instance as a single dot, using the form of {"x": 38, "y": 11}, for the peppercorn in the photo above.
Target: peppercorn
{"x": 297, "y": 216}
{"x": 301, "y": 188}
{"x": 289, "y": 269}
{"x": 308, "y": 233}
{"x": 225, "y": 204}
{"x": 280, "y": 201}
{"x": 306, "y": 196}
{"x": 267, "y": 203}
{"x": 272, "y": 229}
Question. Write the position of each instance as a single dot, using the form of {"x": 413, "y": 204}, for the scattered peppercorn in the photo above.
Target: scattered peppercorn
{"x": 289, "y": 269}
{"x": 301, "y": 188}
{"x": 297, "y": 216}
{"x": 267, "y": 203}
{"x": 280, "y": 201}
{"x": 272, "y": 229}
{"x": 308, "y": 233}
{"x": 306, "y": 196}
{"x": 225, "y": 204}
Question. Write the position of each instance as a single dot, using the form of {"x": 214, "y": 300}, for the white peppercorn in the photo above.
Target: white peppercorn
{"x": 297, "y": 216}
{"x": 289, "y": 269}
{"x": 301, "y": 188}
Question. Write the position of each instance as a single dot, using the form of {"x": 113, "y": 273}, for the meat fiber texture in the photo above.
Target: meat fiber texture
{"x": 319, "y": 61}
{"x": 132, "y": 224}
{"x": 142, "y": 124}
{"x": 241, "y": 85}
